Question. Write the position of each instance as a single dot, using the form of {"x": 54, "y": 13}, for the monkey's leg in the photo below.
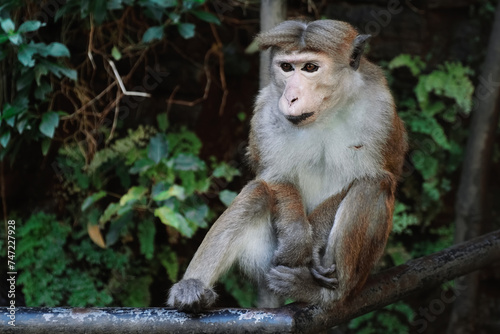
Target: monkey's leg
{"x": 355, "y": 242}
{"x": 243, "y": 232}
{"x": 293, "y": 231}
{"x": 359, "y": 234}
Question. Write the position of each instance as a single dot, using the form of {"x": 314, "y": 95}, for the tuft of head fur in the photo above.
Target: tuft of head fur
{"x": 335, "y": 38}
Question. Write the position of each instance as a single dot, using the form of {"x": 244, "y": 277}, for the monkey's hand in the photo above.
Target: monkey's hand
{"x": 191, "y": 295}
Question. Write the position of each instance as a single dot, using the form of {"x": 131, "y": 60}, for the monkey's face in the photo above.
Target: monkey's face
{"x": 307, "y": 83}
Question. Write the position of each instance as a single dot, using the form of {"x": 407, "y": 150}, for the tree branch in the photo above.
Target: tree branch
{"x": 382, "y": 289}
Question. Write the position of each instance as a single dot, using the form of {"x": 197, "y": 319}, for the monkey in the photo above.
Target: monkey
{"x": 327, "y": 148}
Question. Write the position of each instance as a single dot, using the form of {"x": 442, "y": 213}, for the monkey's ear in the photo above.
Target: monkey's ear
{"x": 357, "y": 52}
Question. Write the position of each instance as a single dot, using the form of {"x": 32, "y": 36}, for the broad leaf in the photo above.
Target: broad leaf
{"x": 155, "y": 32}
{"x": 56, "y": 49}
{"x": 7, "y": 25}
{"x": 227, "y": 196}
{"x": 174, "y": 191}
{"x": 198, "y": 215}
{"x": 175, "y": 220}
{"x": 188, "y": 162}
{"x": 133, "y": 194}
{"x": 5, "y": 138}
{"x": 46, "y": 145}
{"x": 92, "y": 199}
{"x": 29, "y": 26}
{"x": 50, "y": 121}
{"x": 59, "y": 70}
{"x": 116, "y": 228}
{"x": 110, "y": 211}
{"x": 158, "y": 148}
{"x": 186, "y": 30}
{"x": 206, "y": 16}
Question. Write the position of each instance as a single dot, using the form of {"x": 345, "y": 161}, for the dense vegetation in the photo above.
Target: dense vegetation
{"x": 123, "y": 186}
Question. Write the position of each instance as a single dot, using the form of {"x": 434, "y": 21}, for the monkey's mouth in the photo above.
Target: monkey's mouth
{"x": 297, "y": 119}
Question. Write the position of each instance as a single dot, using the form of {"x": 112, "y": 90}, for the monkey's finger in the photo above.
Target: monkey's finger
{"x": 327, "y": 282}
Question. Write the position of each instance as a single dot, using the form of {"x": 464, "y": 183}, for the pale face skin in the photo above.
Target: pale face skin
{"x": 307, "y": 83}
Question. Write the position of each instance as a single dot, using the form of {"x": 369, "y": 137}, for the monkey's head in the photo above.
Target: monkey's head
{"x": 313, "y": 65}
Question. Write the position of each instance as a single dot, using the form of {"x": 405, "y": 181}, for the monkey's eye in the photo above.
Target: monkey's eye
{"x": 310, "y": 67}
{"x": 286, "y": 67}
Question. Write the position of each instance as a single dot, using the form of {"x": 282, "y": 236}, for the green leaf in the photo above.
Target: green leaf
{"x": 188, "y": 162}
{"x": 403, "y": 219}
{"x": 99, "y": 9}
{"x": 10, "y": 110}
{"x": 170, "y": 262}
{"x": 413, "y": 63}
{"x": 146, "y": 234}
{"x": 155, "y": 32}
{"x": 50, "y": 121}
{"x": 173, "y": 191}
{"x": 5, "y": 138}
{"x": 7, "y": 25}
{"x": 158, "y": 148}
{"x": 162, "y": 120}
{"x": 25, "y": 80}
{"x": 46, "y": 145}
{"x": 59, "y": 70}
{"x": 116, "y": 228}
{"x": 3, "y": 39}
{"x": 174, "y": 17}
{"x": 21, "y": 125}
{"x": 186, "y": 30}
{"x": 227, "y": 196}
{"x": 115, "y": 53}
{"x": 42, "y": 90}
{"x": 133, "y": 194}
{"x": 426, "y": 164}
{"x": 141, "y": 166}
{"x": 197, "y": 215}
{"x": 56, "y": 49}
{"x": 25, "y": 55}
{"x": 175, "y": 220}
{"x": 110, "y": 211}
{"x": 206, "y": 16}
{"x": 226, "y": 171}
{"x": 29, "y": 26}
{"x": 92, "y": 199}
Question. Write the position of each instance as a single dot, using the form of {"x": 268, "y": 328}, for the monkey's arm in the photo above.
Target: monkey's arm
{"x": 293, "y": 231}
{"x": 355, "y": 242}
{"x": 241, "y": 232}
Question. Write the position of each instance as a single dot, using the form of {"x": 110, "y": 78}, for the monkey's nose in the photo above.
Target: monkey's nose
{"x": 295, "y": 99}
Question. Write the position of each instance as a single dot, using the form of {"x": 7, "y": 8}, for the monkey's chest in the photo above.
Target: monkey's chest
{"x": 320, "y": 164}
{"x": 316, "y": 185}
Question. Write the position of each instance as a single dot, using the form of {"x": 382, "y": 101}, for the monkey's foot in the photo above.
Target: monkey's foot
{"x": 294, "y": 282}
{"x": 191, "y": 295}
{"x": 325, "y": 276}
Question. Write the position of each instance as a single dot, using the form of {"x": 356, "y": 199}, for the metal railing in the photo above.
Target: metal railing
{"x": 381, "y": 289}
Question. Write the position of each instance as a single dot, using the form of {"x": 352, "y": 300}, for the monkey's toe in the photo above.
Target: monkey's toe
{"x": 325, "y": 276}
